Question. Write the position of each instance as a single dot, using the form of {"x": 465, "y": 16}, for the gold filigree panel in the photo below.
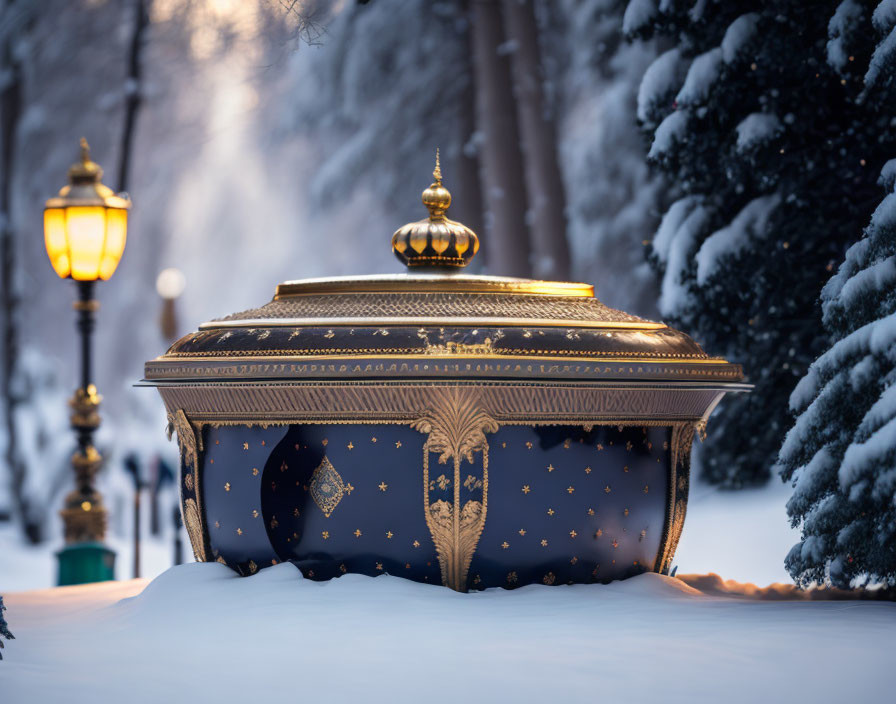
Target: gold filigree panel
{"x": 456, "y": 428}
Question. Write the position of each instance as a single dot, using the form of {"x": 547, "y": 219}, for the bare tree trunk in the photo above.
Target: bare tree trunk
{"x": 133, "y": 96}
{"x": 507, "y": 244}
{"x": 547, "y": 198}
{"x": 14, "y": 18}
{"x": 467, "y": 203}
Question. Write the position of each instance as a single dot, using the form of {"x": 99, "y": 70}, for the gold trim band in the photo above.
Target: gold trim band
{"x": 433, "y": 283}
{"x": 437, "y": 321}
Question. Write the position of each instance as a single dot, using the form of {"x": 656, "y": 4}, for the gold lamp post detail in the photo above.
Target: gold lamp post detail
{"x": 85, "y": 229}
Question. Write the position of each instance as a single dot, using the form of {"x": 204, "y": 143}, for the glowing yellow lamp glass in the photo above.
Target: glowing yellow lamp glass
{"x": 85, "y": 242}
{"x": 85, "y": 226}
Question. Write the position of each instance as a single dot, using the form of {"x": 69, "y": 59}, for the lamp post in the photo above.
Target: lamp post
{"x": 85, "y": 228}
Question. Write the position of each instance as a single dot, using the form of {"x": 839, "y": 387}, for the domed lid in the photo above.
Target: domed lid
{"x": 436, "y": 322}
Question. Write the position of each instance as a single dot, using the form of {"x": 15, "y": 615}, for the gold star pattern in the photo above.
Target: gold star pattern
{"x": 625, "y": 469}
{"x": 551, "y": 512}
{"x": 239, "y": 531}
{"x": 350, "y": 446}
{"x": 590, "y": 511}
{"x": 349, "y": 488}
{"x": 383, "y": 486}
{"x": 505, "y": 545}
{"x": 389, "y": 534}
{"x": 372, "y": 439}
{"x": 245, "y": 446}
{"x": 615, "y": 543}
{"x": 217, "y": 525}
{"x": 255, "y": 471}
{"x": 325, "y": 442}
{"x": 625, "y": 512}
{"x": 295, "y": 512}
{"x": 574, "y": 560}
{"x": 522, "y": 531}
{"x": 528, "y": 445}
{"x": 587, "y": 470}
{"x": 550, "y": 468}
{"x": 397, "y": 444}
{"x": 572, "y": 534}
{"x": 274, "y": 522}
{"x": 263, "y": 443}
{"x": 566, "y": 444}
{"x": 407, "y": 565}
{"x": 607, "y": 489}
{"x": 379, "y": 566}
{"x": 642, "y": 535}
{"x": 358, "y": 532}
{"x": 646, "y": 488}
{"x": 599, "y": 447}
{"x": 570, "y": 489}
{"x": 416, "y": 543}
{"x": 325, "y": 534}
{"x": 544, "y": 543}
{"x": 226, "y": 486}
{"x": 254, "y": 513}
{"x": 504, "y": 445}
{"x": 598, "y": 533}
{"x": 526, "y": 489}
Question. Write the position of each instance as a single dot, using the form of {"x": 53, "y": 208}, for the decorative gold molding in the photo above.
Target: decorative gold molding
{"x": 455, "y": 426}
{"x": 677, "y": 491}
{"x": 190, "y": 448}
{"x": 508, "y": 402}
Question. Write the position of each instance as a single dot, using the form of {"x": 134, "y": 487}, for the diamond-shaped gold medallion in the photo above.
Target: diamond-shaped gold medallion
{"x": 327, "y": 488}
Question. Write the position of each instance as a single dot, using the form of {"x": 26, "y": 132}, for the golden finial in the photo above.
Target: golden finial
{"x": 437, "y": 172}
{"x": 85, "y": 151}
{"x": 435, "y": 242}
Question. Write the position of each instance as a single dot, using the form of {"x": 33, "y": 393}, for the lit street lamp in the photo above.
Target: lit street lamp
{"x": 85, "y": 227}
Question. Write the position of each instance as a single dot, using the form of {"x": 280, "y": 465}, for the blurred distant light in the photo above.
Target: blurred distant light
{"x": 85, "y": 226}
{"x": 170, "y": 283}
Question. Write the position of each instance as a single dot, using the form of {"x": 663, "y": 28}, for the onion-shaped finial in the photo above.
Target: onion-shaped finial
{"x": 435, "y": 242}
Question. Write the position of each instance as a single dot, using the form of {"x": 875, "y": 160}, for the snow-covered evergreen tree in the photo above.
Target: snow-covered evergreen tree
{"x": 841, "y": 453}
{"x": 4, "y": 628}
{"x": 770, "y": 121}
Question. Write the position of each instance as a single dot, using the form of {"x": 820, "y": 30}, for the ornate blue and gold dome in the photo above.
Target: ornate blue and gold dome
{"x": 470, "y": 431}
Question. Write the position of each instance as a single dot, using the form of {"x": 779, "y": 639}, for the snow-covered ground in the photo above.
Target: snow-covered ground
{"x": 741, "y": 535}
{"x": 200, "y": 633}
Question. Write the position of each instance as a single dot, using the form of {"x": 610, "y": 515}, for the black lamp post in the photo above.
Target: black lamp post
{"x": 85, "y": 229}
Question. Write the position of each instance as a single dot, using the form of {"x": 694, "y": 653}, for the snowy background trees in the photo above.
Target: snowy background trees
{"x": 770, "y": 122}
{"x": 702, "y": 162}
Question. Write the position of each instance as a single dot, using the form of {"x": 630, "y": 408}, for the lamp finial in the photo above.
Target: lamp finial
{"x": 86, "y": 170}
{"x": 437, "y": 172}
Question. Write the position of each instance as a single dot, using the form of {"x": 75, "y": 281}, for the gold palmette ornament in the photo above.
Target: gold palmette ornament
{"x": 435, "y": 242}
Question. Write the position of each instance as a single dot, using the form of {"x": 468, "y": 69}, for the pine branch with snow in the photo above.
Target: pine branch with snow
{"x": 4, "y": 628}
